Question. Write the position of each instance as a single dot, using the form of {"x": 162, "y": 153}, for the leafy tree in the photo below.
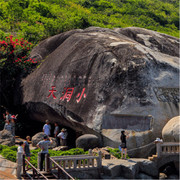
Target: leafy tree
{"x": 14, "y": 55}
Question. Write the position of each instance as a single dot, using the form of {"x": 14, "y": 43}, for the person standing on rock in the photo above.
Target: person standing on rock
{"x": 123, "y": 143}
{"x": 13, "y": 117}
{"x": 7, "y": 116}
{"x": 8, "y": 126}
{"x": 56, "y": 132}
{"x": 44, "y": 145}
{"x": 63, "y": 136}
{"x": 26, "y": 148}
{"x": 47, "y": 128}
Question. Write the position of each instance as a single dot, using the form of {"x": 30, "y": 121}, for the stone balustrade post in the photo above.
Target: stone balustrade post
{"x": 47, "y": 163}
{"x": 158, "y": 149}
{"x": 19, "y": 164}
{"x": 75, "y": 164}
{"x": 99, "y": 159}
{"x": 90, "y": 152}
{"x": 39, "y": 160}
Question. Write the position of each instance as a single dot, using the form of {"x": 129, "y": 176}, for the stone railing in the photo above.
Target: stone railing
{"x": 167, "y": 148}
{"x": 79, "y": 162}
{"x": 61, "y": 172}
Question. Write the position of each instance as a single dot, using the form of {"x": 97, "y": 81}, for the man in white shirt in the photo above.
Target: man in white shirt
{"x": 20, "y": 148}
{"x": 47, "y": 128}
{"x": 63, "y": 136}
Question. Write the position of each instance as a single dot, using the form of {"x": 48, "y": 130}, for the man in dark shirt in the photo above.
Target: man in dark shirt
{"x": 56, "y": 132}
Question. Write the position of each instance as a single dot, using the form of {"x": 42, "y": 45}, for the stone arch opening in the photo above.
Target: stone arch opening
{"x": 169, "y": 168}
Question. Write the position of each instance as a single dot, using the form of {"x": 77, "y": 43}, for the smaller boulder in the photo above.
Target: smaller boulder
{"x": 6, "y": 138}
{"x": 87, "y": 141}
{"x": 170, "y": 132}
{"x": 39, "y": 137}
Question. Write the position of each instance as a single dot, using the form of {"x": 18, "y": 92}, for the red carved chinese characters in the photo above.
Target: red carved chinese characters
{"x": 68, "y": 94}
{"x": 52, "y": 92}
{"x": 80, "y": 95}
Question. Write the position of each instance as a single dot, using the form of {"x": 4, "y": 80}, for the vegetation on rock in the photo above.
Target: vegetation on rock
{"x": 35, "y": 20}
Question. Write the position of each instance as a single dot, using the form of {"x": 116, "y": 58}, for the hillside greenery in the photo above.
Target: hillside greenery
{"x": 35, "y": 20}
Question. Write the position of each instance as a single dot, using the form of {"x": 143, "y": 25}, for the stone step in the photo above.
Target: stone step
{"x": 46, "y": 174}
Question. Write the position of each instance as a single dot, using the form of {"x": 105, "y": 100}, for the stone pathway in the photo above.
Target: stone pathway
{"x": 7, "y": 169}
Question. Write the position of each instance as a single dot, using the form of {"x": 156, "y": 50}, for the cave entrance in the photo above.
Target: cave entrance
{"x": 28, "y": 125}
{"x": 31, "y": 127}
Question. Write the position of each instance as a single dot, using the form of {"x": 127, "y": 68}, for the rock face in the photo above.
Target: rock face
{"x": 170, "y": 132}
{"x": 130, "y": 169}
{"x": 40, "y": 136}
{"x": 87, "y": 141}
{"x": 6, "y": 138}
{"x": 100, "y": 81}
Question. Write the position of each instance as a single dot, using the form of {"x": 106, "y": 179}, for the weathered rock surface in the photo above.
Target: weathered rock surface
{"x": 60, "y": 148}
{"x": 117, "y": 78}
{"x": 143, "y": 176}
{"x": 6, "y": 138}
{"x": 7, "y": 169}
{"x": 129, "y": 169}
{"x": 87, "y": 141}
{"x": 39, "y": 137}
{"x": 146, "y": 166}
{"x": 170, "y": 132}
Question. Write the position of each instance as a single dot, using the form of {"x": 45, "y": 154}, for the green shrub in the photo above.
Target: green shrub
{"x": 3, "y": 147}
{"x": 9, "y": 154}
{"x": 13, "y": 148}
{"x": 116, "y": 152}
{"x": 73, "y": 151}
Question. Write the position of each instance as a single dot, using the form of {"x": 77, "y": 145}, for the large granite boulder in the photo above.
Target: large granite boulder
{"x": 39, "y": 137}
{"x": 100, "y": 81}
{"x": 87, "y": 141}
{"x": 6, "y": 138}
{"x": 171, "y": 131}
